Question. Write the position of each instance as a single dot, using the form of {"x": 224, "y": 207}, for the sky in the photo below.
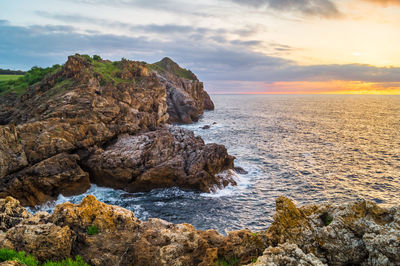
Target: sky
{"x": 234, "y": 46}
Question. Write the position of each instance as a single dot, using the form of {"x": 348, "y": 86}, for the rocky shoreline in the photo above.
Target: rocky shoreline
{"x": 357, "y": 233}
{"x": 96, "y": 121}
{"x": 109, "y": 123}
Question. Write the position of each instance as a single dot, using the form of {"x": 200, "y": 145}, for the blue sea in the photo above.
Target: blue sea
{"x": 310, "y": 148}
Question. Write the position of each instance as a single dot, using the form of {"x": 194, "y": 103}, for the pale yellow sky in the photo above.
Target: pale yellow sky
{"x": 264, "y": 41}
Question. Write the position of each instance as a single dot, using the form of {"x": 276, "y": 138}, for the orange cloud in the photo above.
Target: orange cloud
{"x": 323, "y": 87}
{"x": 385, "y": 2}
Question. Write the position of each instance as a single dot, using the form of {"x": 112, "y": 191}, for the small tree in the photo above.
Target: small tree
{"x": 96, "y": 57}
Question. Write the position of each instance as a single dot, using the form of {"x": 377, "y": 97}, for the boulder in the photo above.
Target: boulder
{"x": 166, "y": 157}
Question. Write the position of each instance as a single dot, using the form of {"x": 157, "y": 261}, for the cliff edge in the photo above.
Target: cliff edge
{"x": 93, "y": 120}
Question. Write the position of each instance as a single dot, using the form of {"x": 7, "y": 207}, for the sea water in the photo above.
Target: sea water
{"x": 310, "y": 148}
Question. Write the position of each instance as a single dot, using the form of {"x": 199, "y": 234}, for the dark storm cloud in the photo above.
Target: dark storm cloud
{"x": 320, "y": 8}
{"x": 25, "y": 47}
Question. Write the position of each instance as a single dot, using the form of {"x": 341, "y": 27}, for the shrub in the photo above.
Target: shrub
{"x": 227, "y": 262}
{"x": 31, "y": 77}
{"x": 92, "y": 230}
{"x": 67, "y": 262}
{"x": 96, "y": 57}
{"x": 29, "y": 260}
{"x": 326, "y": 218}
{"x": 21, "y": 257}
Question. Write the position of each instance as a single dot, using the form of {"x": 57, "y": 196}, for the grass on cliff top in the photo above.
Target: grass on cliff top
{"x": 180, "y": 72}
{"x": 109, "y": 71}
{"x": 29, "y": 260}
{"x": 9, "y": 77}
{"x": 21, "y": 83}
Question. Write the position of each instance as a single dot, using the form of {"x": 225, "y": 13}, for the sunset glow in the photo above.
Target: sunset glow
{"x": 317, "y": 46}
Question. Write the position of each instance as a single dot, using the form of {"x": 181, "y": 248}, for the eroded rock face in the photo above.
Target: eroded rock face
{"x": 123, "y": 239}
{"x": 287, "y": 254}
{"x": 11, "y": 213}
{"x": 45, "y": 180}
{"x": 166, "y": 157}
{"x": 80, "y": 110}
{"x": 360, "y": 232}
{"x": 186, "y": 97}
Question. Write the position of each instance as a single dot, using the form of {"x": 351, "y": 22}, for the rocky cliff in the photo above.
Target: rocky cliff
{"x": 357, "y": 233}
{"x": 103, "y": 122}
{"x": 186, "y": 97}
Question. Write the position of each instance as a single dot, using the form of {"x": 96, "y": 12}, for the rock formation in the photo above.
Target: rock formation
{"x": 75, "y": 115}
{"x": 166, "y": 157}
{"x": 122, "y": 238}
{"x": 358, "y": 233}
{"x": 186, "y": 97}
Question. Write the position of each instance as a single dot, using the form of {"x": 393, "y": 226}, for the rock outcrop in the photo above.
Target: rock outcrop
{"x": 81, "y": 109}
{"x": 166, "y": 157}
{"x": 122, "y": 239}
{"x": 186, "y": 97}
{"x": 358, "y": 233}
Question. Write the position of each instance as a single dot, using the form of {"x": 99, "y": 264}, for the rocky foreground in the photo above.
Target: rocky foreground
{"x": 96, "y": 121}
{"x": 358, "y": 233}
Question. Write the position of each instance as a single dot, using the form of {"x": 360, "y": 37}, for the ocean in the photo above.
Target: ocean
{"x": 310, "y": 148}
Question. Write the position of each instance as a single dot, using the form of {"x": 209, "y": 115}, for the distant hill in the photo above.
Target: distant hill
{"x": 11, "y": 72}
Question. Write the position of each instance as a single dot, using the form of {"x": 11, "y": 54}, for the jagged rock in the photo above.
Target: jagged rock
{"x": 91, "y": 212}
{"x": 205, "y": 127}
{"x": 207, "y": 102}
{"x": 11, "y": 213}
{"x": 44, "y": 181}
{"x": 357, "y": 233}
{"x": 242, "y": 245}
{"x": 123, "y": 239}
{"x": 240, "y": 170}
{"x": 80, "y": 108}
{"x": 12, "y": 155}
{"x": 36, "y": 236}
{"x": 287, "y": 255}
{"x": 166, "y": 157}
{"x": 186, "y": 97}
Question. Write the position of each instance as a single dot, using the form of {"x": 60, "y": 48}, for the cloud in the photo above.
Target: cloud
{"x": 214, "y": 62}
{"x": 159, "y": 29}
{"x": 318, "y": 8}
{"x": 385, "y": 2}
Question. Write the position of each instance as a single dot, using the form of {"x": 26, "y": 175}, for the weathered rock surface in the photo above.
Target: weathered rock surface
{"x": 45, "y": 180}
{"x": 287, "y": 254}
{"x": 123, "y": 239}
{"x": 186, "y": 97}
{"x": 80, "y": 109}
{"x": 359, "y": 233}
{"x": 166, "y": 157}
{"x": 11, "y": 213}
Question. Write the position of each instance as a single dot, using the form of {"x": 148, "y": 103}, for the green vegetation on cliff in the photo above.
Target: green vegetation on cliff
{"x": 29, "y": 260}
{"x": 170, "y": 66}
{"x": 31, "y": 77}
{"x": 9, "y": 77}
{"x": 108, "y": 72}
